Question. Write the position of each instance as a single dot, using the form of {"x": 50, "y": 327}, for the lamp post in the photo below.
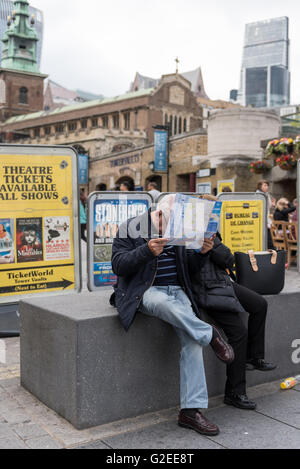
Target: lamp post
{"x": 165, "y": 128}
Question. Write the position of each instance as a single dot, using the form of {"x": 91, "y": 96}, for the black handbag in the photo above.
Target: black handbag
{"x": 262, "y": 272}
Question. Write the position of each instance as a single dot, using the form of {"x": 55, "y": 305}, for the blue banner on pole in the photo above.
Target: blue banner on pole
{"x": 83, "y": 169}
{"x": 161, "y": 151}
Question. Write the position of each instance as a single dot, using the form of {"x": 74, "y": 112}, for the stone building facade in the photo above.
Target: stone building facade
{"x": 107, "y": 126}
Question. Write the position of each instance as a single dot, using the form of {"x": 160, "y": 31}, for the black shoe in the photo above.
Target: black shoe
{"x": 240, "y": 401}
{"x": 222, "y": 349}
{"x": 196, "y": 421}
{"x": 260, "y": 364}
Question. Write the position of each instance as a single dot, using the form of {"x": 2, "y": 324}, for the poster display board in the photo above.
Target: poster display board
{"x": 39, "y": 227}
{"x": 224, "y": 184}
{"x": 204, "y": 188}
{"x": 244, "y": 221}
{"x": 106, "y": 212}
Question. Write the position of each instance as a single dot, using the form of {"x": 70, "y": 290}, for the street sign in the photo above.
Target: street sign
{"x": 106, "y": 212}
{"x": 244, "y": 221}
{"x": 39, "y": 227}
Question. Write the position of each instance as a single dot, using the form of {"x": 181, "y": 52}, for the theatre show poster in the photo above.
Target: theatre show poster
{"x": 36, "y": 224}
{"x": 57, "y": 240}
{"x": 108, "y": 216}
{"x": 29, "y": 240}
{"x": 7, "y": 254}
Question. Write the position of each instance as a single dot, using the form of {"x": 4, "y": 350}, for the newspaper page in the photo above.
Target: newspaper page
{"x": 191, "y": 220}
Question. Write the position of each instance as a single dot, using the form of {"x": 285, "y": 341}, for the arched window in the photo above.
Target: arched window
{"x": 184, "y": 125}
{"x": 171, "y": 126}
{"x": 175, "y": 125}
{"x": 180, "y": 125}
{"x": 23, "y": 95}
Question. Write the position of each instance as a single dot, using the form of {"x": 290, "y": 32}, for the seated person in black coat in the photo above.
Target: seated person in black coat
{"x": 225, "y": 302}
{"x": 283, "y": 210}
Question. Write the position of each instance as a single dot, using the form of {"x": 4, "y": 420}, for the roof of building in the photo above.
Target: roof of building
{"x": 194, "y": 77}
{"x": 79, "y": 106}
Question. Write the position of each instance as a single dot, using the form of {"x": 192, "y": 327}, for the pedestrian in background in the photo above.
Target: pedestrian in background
{"x": 283, "y": 210}
{"x": 153, "y": 190}
{"x": 263, "y": 188}
{"x": 126, "y": 186}
{"x": 295, "y": 214}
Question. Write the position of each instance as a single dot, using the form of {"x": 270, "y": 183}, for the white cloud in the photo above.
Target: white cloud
{"x": 98, "y": 45}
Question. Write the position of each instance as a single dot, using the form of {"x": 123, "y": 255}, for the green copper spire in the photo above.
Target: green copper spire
{"x": 20, "y": 40}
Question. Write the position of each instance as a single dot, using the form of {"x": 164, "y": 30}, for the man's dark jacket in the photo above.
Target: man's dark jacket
{"x": 212, "y": 287}
{"x": 136, "y": 267}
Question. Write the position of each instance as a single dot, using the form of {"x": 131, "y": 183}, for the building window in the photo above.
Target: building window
{"x": 171, "y": 126}
{"x": 127, "y": 121}
{"x": 184, "y": 125}
{"x": 116, "y": 121}
{"x": 59, "y": 128}
{"x": 47, "y": 130}
{"x": 166, "y": 119}
{"x": 94, "y": 122}
{"x": 84, "y": 123}
{"x": 105, "y": 122}
{"x": 72, "y": 126}
{"x": 175, "y": 125}
{"x": 23, "y": 95}
{"x": 37, "y": 132}
{"x": 180, "y": 125}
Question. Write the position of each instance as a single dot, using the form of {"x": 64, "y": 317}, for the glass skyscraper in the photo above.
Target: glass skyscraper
{"x": 265, "y": 75}
{"x": 6, "y": 8}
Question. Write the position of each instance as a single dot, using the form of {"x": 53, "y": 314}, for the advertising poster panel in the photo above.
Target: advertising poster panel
{"x": 161, "y": 151}
{"x": 230, "y": 183}
{"x": 39, "y": 244}
{"x": 244, "y": 222}
{"x": 106, "y": 212}
{"x": 83, "y": 169}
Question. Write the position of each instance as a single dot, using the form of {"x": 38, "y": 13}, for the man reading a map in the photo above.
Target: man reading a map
{"x": 153, "y": 278}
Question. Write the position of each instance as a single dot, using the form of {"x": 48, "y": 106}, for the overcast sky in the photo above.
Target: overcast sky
{"x": 98, "y": 45}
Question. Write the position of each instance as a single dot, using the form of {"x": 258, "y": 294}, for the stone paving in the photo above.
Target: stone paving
{"x": 27, "y": 423}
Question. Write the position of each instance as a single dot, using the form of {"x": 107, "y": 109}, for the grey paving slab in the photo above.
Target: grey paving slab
{"x": 241, "y": 429}
{"x": 15, "y": 416}
{"x": 284, "y": 406}
{"x": 6, "y": 431}
{"x": 12, "y": 443}
{"x": 28, "y": 430}
{"x": 45, "y": 442}
{"x": 93, "y": 445}
{"x": 167, "y": 435}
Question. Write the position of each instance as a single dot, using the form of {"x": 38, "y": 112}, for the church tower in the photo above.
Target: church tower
{"x": 21, "y": 83}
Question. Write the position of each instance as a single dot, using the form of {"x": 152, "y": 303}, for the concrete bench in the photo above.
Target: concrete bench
{"x": 77, "y": 359}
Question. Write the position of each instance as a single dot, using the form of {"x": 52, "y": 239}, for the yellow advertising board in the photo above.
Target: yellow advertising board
{"x": 242, "y": 225}
{"x": 229, "y": 183}
{"x": 37, "y": 229}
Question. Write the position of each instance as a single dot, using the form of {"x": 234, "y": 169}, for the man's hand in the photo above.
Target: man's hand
{"x": 208, "y": 245}
{"x": 156, "y": 246}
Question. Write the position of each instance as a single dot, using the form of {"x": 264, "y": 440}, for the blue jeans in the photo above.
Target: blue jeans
{"x": 172, "y": 305}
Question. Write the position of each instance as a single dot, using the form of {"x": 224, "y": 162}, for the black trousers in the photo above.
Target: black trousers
{"x": 246, "y": 342}
{"x": 82, "y": 233}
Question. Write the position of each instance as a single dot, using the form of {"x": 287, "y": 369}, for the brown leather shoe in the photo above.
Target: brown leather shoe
{"x": 198, "y": 422}
{"x": 222, "y": 349}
